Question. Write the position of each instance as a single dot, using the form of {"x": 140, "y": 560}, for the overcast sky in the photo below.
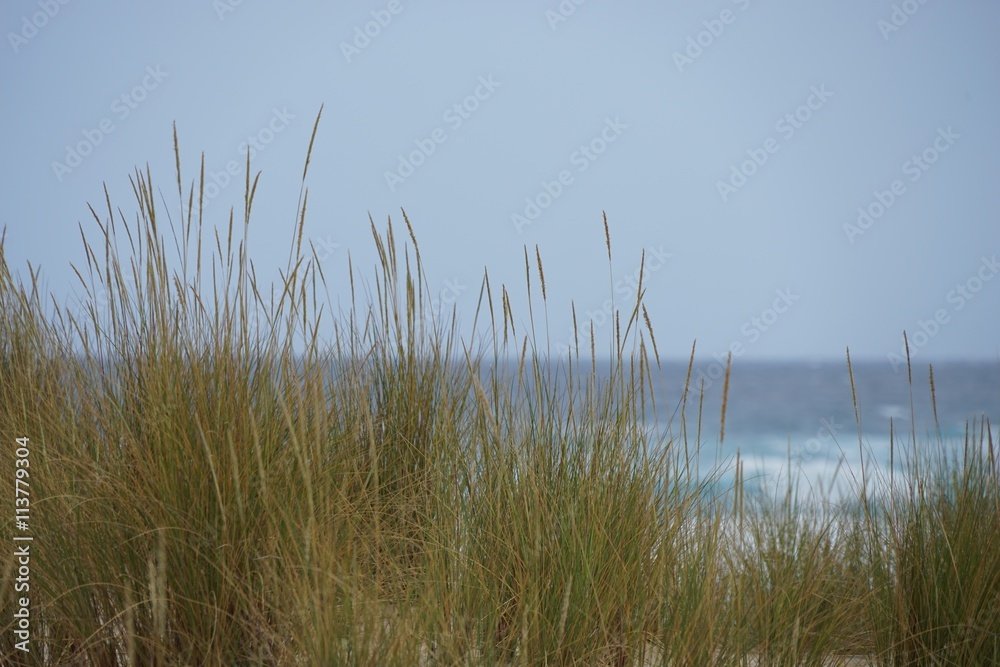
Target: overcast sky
{"x": 803, "y": 176}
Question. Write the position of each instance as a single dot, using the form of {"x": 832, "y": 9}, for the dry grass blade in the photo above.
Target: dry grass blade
{"x": 312, "y": 140}
{"x": 607, "y": 235}
{"x": 413, "y": 238}
{"x": 541, "y": 271}
{"x": 937, "y": 424}
{"x": 649, "y": 328}
{"x": 854, "y": 395}
{"x": 576, "y": 332}
{"x": 725, "y": 399}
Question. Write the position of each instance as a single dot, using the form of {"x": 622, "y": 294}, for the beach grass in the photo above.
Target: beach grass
{"x": 214, "y": 482}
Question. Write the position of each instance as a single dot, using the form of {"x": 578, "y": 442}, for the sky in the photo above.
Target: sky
{"x": 803, "y": 177}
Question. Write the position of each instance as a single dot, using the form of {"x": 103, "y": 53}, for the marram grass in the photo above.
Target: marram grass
{"x": 214, "y": 483}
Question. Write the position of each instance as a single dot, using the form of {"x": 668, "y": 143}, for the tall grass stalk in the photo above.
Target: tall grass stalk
{"x": 216, "y": 481}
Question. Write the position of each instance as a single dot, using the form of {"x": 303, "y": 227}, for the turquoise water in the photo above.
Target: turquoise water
{"x": 800, "y": 416}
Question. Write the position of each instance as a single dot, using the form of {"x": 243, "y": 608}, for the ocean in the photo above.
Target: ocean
{"x": 800, "y": 416}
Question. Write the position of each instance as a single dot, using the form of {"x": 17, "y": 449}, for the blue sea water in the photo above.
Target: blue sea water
{"x": 804, "y": 420}
{"x": 800, "y": 416}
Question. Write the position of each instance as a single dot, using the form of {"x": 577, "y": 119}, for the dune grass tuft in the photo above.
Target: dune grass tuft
{"x": 215, "y": 482}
